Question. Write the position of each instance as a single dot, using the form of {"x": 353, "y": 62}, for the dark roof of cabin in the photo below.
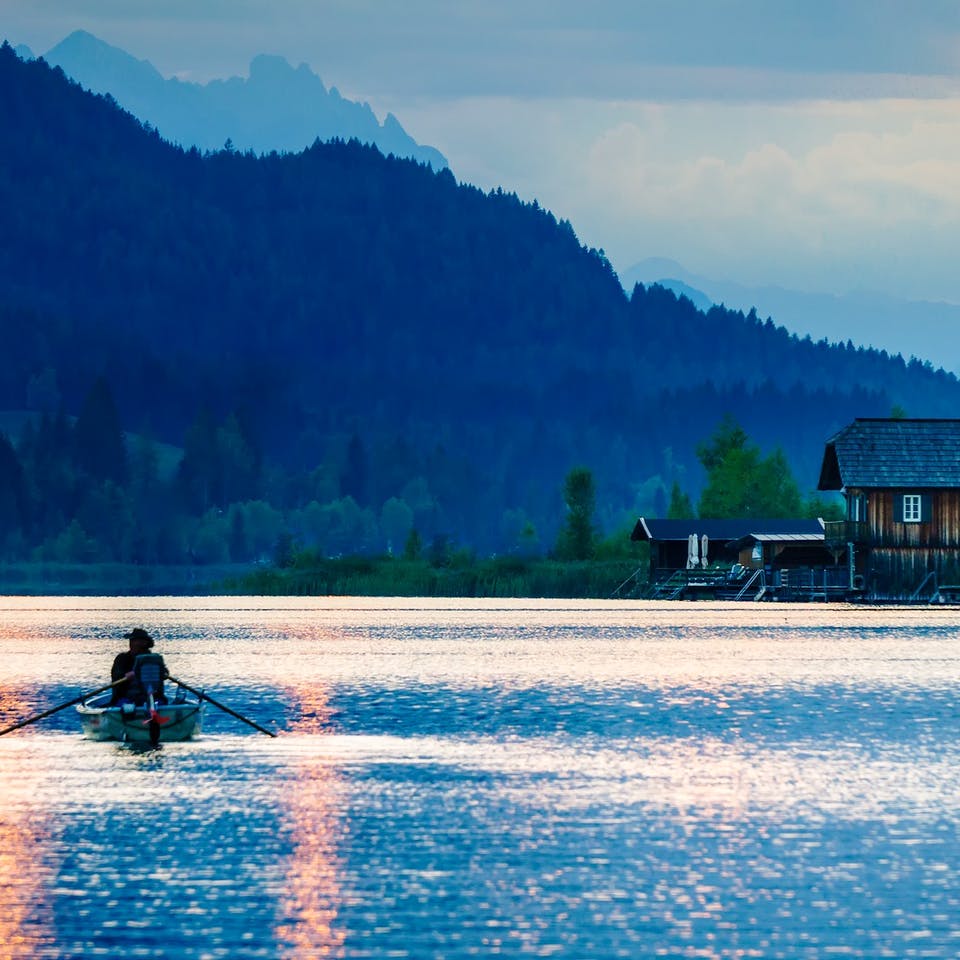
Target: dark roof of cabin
{"x": 889, "y": 454}
{"x": 722, "y": 530}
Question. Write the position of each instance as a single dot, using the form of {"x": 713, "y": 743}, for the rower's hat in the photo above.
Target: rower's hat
{"x": 138, "y": 633}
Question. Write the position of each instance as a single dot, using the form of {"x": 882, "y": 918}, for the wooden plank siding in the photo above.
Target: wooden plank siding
{"x": 899, "y": 572}
{"x": 899, "y": 556}
{"x": 942, "y": 530}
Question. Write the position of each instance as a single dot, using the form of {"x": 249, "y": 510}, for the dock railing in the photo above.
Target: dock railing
{"x": 757, "y": 580}
{"x": 932, "y": 575}
{"x": 633, "y": 578}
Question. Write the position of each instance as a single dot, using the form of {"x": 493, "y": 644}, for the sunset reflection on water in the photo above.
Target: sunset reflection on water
{"x": 24, "y": 928}
{"x": 24, "y": 875}
{"x": 311, "y": 803}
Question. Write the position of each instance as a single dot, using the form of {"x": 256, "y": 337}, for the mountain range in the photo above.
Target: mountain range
{"x": 339, "y": 330}
{"x": 921, "y": 328}
{"x": 277, "y": 107}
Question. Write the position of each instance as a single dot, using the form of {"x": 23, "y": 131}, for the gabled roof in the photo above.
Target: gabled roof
{"x": 725, "y": 530}
{"x": 872, "y": 453}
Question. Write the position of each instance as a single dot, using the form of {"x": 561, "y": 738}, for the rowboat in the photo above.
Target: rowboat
{"x": 147, "y": 716}
{"x": 178, "y": 720}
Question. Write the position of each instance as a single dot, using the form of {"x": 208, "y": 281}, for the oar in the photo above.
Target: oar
{"x": 222, "y": 706}
{"x": 63, "y": 706}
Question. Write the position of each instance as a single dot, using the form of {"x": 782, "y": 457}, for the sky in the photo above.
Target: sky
{"x": 813, "y": 145}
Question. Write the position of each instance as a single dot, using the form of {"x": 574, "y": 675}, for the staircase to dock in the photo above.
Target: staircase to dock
{"x": 706, "y": 584}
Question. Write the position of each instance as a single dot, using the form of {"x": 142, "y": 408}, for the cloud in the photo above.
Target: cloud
{"x": 824, "y": 201}
{"x": 875, "y": 176}
{"x": 538, "y": 48}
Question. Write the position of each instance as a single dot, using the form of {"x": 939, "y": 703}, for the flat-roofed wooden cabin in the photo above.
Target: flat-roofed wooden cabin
{"x": 696, "y": 546}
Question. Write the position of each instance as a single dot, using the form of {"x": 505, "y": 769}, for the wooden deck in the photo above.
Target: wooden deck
{"x": 795, "y": 585}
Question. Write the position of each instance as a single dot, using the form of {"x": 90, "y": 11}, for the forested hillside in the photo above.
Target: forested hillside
{"x": 349, "y": 345}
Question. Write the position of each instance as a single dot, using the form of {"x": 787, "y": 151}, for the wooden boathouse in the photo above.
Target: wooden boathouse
{"x": 738, "y": 559}
{"x": 900, "y": 479}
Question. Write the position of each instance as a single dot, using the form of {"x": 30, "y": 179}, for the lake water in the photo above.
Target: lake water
{"x": 463, "y": 779}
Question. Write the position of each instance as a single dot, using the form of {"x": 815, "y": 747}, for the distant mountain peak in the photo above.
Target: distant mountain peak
{"x": 654, "y": 269}
{"x": 272, "y": 65}
{"x": 277, "y": 107}
{"x": 84, "y": 38}
{"x": 82, "y": 52}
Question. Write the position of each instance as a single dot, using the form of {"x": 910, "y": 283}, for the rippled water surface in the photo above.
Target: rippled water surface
{"x": 515, "y": 778}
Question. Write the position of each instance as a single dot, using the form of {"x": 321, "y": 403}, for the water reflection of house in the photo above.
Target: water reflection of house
{"x": 901, "y": 482}
{"x": 745, "y": 558}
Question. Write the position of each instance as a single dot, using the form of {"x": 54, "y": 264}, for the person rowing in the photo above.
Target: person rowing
{"x": 143, "y": 674}
{"x": 125, "y": 668}
{"x": 137, "y": 678}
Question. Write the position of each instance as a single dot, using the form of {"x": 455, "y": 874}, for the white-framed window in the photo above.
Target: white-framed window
{"x": 911, "y": 508}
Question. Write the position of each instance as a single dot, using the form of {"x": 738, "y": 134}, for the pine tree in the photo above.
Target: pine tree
{"x": 577, "y": 540}
{"x": 13, "y": 494}
{"x": 741, "y": 482}
{"x": 681, "y": 507}
{"x": 99, "y": 445}
{"x": 354, "y": 480}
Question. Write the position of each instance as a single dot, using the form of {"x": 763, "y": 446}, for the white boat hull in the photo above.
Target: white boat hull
{"x": 102, "y": 721}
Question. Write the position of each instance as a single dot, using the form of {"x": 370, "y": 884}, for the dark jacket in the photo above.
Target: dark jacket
{"x": 131, "y": 690}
